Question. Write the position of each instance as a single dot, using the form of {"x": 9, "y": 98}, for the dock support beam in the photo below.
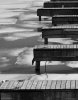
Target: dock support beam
{"x": 39, "y": 18}
{"x": 37, "y": 67}
{"x": 46, "y": 41}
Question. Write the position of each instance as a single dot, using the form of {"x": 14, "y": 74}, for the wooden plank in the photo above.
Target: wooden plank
{"x": 4, "y": 85}
{"x": 14, "y": 86}
{"x": 53, "y": 85}
{"x": 39, "y": 84}
{"x": 76, "y": 84}
{"x": 60, "y": 4}
{"x": 56, "y": 20}
{"x": 68, "y": 84}
{"x": 57, "y": 11}
{"x": 63, "y": 84}
{"x": 49, "y": 33}
{"x": 53, "y": 54}
{"x": 19, "y": 85}
{"x": 29, "y": 84}
{"x": 43, "y": 86}
{"x": 73, "y": 84}
{"x": 48, "y": 86}
{"x": 34, "y": 85}
{"x": 58, "y": 84}
{"x": 10, "y": 84}
{"x": 64, "y": 0}
{"x": 24, "y": 84}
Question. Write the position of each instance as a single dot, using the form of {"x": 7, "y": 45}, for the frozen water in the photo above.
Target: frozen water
{"x": 18, "y": 36}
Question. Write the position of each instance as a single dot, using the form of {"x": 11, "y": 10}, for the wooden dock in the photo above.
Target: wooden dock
{"x": 51, "y": 4}
{"x": 25, "y": 85}
{"x": 50, "y": 12}
{"x": 39, "y": 90}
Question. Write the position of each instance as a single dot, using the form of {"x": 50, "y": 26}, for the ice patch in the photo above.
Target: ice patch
{"x": 59, "y": 40}
{"x": 9, "y": 14}
{"x": 11, "y": 52}
{"x": 73, "y": 64}
{"x": 16, "y": 52}
{"x": 27, "y": 17}
{"x": 25, "y": 57}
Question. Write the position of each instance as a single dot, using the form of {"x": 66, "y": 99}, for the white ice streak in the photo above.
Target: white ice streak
{"x": 11, "y": 38}
{"x": 13, "y": 6}
{"x": 17, "y": 36}
{"x": 9, "y": 14}
{"x": 28, "y": 16}
{"x": 27, "y": 34}
{"x": 10, "y": 29}
{"x": 7, "y": 21}
{"x": 32, "y": 25}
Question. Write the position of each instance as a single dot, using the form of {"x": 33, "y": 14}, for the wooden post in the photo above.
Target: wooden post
{"x": 37, "y": 67}
{"x": 46, "y": 41}
{"x": 54, "y": 22}
{"x": 39, "y": 18}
